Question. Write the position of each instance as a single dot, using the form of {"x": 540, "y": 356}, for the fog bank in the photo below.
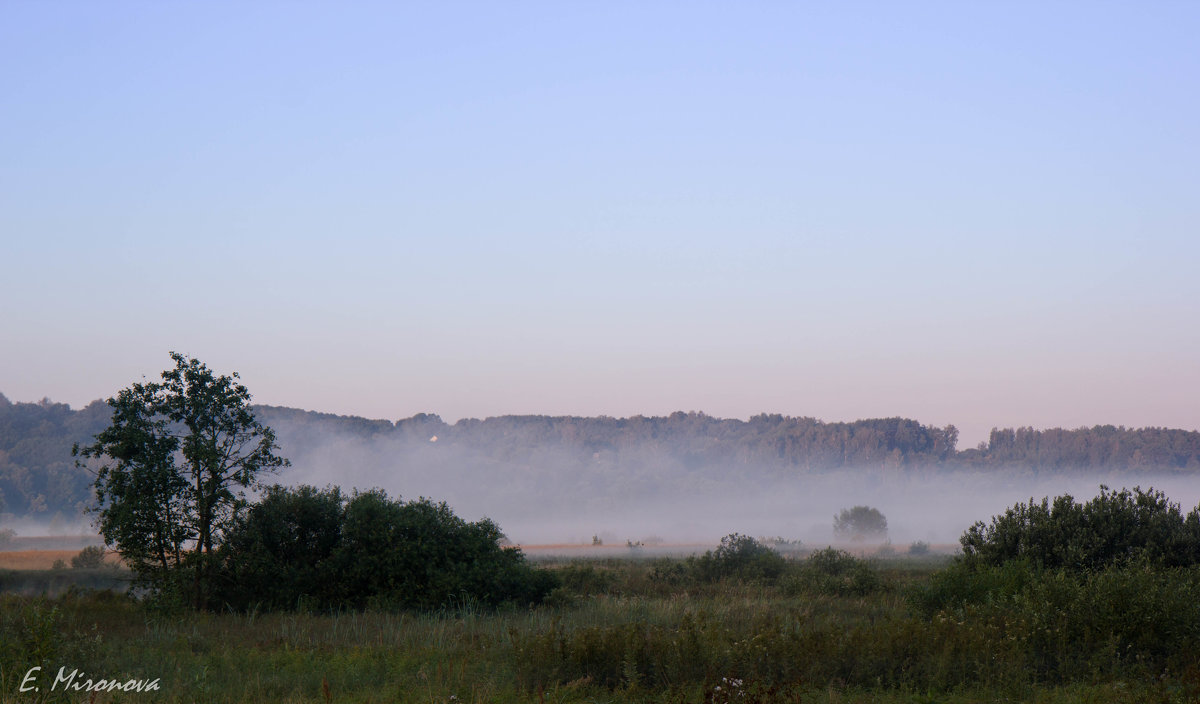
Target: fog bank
{"x": 552, "y": 493}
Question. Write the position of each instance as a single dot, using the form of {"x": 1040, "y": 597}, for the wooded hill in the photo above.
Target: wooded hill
{"x": 38, "y": 476}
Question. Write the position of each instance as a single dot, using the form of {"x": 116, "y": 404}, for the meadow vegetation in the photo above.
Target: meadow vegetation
{"x": 1119, "y": 622}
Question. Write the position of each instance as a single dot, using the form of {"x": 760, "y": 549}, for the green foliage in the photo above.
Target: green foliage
{"x": 41, "y": 633}
{"x": 738, "y": 557}
{"x": 833, "y": 572}
{"x": 277, "y": 554}
{"x": 90, "y": 558}
{"x": 175, "y": 461}
{"x": 860, "y": 522}
{"x": 584, "y": 578}
{"x": 1131, "y": 618}
{"x": 32, "y": 633}
{"x": 1122, "y": 635}
{"x": 1116, "y": 527}
{"x": 309, "y": 548}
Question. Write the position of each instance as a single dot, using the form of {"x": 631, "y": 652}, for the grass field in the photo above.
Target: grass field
{"x": 620, "y": 630}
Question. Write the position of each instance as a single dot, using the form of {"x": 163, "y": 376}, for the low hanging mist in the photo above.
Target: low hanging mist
{"x": 681, "y": 479}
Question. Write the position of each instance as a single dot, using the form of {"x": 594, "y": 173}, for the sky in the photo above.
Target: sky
{"x": 985, "y": 214}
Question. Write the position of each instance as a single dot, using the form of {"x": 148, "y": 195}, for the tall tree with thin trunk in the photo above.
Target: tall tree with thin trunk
{"x": 174, "y": 465}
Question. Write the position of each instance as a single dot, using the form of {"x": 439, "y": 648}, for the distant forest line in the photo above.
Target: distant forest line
{"x": 39, "y": 478}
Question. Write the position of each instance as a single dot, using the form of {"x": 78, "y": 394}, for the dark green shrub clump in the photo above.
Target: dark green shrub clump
{"x": 738, "y": 557}
{"x": 279, "y": 555}
{"x": 1116, "y": 527}
{"x": 1106, "y": 586}
{"x": 317, "y": 549}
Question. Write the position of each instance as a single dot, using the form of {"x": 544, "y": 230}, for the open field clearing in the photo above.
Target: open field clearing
{"x": 34, "y": 559}
{"x": 43, "y": 559}
{"x": 620, "y": 550}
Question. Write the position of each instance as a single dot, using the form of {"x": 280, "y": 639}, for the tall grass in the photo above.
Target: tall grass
{"x": 651, "y": 631}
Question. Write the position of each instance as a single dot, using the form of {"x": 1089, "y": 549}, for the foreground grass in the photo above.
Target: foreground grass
{"x": 621, "y": 631}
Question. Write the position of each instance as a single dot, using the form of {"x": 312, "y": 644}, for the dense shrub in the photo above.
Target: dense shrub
{"x": 1116, "y": 527}
{"x": 305, "y": 547}
{"x": 277, "y": 556}
{"x": 738, "y": 557}
{"x": 1105, "y": 586}
{"x": 420, "y": 555}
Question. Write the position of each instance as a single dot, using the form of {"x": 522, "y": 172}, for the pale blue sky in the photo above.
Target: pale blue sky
{"x": 958, "y": 212}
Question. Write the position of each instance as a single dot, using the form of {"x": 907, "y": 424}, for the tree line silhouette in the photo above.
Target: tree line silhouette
{"x": 38, "y": 477}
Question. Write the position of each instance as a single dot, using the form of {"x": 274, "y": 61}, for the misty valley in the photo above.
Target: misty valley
{"x": 683, "y": 558}
{"x": 683, "y": 478}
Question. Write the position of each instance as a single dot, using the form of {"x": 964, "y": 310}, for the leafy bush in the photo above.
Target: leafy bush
{"x": 420, "y": 555}
{"x": 278, "y": 554}
{"x": 740, "y": 557}
{"x": 306, "y": 547}
{"x": 1116, "y": 527}
{"x": 1105, "y": 586}
{"x": 860, "y": 522}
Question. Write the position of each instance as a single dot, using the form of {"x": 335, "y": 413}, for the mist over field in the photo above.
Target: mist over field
{"x": 551, "y": 492}
{"x": 683, "y": 478}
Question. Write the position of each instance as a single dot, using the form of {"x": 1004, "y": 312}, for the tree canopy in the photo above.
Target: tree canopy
{"x": 860, "y": 522}
{"x": 174, "y": 464}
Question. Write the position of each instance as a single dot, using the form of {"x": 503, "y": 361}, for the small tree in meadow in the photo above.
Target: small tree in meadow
{"x": 859, "y": 523}
{"x": 90, "y": 558}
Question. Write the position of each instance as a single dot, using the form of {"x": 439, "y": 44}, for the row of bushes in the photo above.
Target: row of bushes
{"x": 319, "y": 549}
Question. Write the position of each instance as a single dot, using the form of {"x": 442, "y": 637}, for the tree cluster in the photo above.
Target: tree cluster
{"x": 175, "y": 463}
{"x": 1101, "y": 447}
{"x": 174, "y": 466}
